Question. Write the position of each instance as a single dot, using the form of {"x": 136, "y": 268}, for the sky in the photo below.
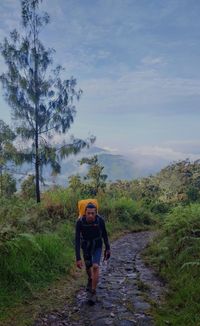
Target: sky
{"x": 137, "y": 62}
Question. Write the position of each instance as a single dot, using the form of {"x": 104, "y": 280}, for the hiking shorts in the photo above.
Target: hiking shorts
{"x": 92, "y": 258}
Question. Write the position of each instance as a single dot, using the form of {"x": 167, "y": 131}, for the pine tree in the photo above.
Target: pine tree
{"x": 42, "y": 103}
{"x": 95, "y": 174}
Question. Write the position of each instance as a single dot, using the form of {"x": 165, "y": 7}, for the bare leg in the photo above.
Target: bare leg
{"x": 95, "y": 276}
{"x": 89, "y": 272}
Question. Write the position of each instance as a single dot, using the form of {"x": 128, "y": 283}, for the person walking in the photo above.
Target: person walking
{"x": 90, "y": 230}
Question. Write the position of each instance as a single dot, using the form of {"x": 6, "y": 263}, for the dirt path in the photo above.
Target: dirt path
{"x": 126, "y": 287}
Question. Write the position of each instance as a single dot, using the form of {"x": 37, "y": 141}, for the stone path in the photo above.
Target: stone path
{"x": 125, "y": 289}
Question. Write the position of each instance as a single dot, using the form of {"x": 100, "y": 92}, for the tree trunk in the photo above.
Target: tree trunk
{"x": 37, "y": 172}
{"x": 37, "y": 158}
{"x": 1, "y": 182}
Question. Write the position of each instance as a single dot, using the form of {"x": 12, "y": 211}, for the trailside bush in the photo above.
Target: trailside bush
{"x": 160, "y": 208}
{"x": 143, "y": 216}
{"x": 177, "y": 257}
{"x": 124, "y": 209}
{"x": 29, "y": 261}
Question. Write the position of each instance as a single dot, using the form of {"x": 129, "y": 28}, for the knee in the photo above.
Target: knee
{"x": 88, "y": 264}
{"x": 88, "y": 269}
{"x": 95, "y": 267}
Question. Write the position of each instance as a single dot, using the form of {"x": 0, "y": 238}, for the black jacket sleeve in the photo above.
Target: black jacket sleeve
{"x": 77, "y": 240}
{"x": 105, "y": 235}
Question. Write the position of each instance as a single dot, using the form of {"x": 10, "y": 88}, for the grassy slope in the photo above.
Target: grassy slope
{"x": 176, "y": 256}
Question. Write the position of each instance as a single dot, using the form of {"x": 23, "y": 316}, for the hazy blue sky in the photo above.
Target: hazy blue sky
{"x": 137, "y": 62}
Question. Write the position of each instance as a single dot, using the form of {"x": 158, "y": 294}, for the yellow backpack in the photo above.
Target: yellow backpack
{"x": 83, "y": 203}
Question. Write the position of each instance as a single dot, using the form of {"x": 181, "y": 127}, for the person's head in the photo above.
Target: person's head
{"x": 90, "y": 212}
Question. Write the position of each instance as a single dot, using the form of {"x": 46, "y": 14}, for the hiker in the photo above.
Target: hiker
{"x": 90, "y": 229}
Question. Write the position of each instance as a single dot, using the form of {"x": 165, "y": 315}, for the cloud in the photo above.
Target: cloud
{"x": 185, "y": 146}
{"x": 142, "y": 91}
{"x": 148, "y": 155}
{"x": 153, "y": 61}
{"x": 111, "y": 150}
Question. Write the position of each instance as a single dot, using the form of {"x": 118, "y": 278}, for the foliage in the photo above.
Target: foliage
{"x": 8, "y": 154}
{"x": 37, "y": 240}
{"x": 7, "y": 150}
{"x": 28, "y": 187}
{"x": 160, "y": 207}
{"x": 75, "y": 182}
{"x": 29, "y": 261}
{"x": 46, "y": 230}
{"x": 176, "y": 256}
{"x": 180, "y": 181}
{"x": 42, "y": 103}
{"x": 95, "y": 176}
{"x": 193, "y": 194}
{"x": 7, "y": 185}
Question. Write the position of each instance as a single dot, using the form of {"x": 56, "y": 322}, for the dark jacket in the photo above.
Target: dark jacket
{"x": 90, "y": 235}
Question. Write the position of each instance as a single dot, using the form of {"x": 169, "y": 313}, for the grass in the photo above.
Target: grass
{"x": 52, "y": 296}
{"x": 55, "y": 296}
{"x": 32, "y": 261}
{"x": 37, "y": 245}
{"x": 175, "y": 254}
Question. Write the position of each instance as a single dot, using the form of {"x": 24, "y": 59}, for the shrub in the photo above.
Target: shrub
{"x": 160, "y": 208}
{"x": 124, "y": 209}
{"x": 176, "y": 255}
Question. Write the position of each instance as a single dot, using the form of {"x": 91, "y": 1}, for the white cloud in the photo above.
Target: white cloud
{"x": 153, "y": 61}
{"x": 185, "y": 146}
{"x": 141, "y": 91}
{"x": 111, "y": 150}
{"x": 163, "y": 153}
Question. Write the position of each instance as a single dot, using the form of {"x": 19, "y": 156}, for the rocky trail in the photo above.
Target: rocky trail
{"x": 126, "y": 290}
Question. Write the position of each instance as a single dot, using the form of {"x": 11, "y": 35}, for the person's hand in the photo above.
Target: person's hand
{"x": 79, "y": 264}
{"x": 106, "y": 254}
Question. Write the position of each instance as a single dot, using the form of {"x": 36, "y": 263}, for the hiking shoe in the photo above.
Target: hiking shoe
{"x": 89, "y": 285}
{"x": 92, "y": 298}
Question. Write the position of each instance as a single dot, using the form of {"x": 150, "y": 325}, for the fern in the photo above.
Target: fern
{"x": 192, "y": 264}
{"x": 31, "y": 239}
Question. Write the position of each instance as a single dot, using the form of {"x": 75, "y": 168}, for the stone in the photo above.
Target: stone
{"x": 142, "y": 306}
{"x": 127, "y": 323}
{"x": 107, "y": 305}
{"x": 132, "y": 275}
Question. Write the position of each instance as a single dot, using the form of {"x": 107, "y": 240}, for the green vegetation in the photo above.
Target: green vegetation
{"x": 29, "y": 261}
{"x": 42, "y": 102}
{"x": 176, "y": 256}
{"x": 7, "y": 184}
{"x": 37, "y": 240}
{"x": 95, "y": 176}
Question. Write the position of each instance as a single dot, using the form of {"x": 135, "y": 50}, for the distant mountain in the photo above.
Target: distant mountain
{"x": 118, "y": 167}
{"x": 115, "y": 166}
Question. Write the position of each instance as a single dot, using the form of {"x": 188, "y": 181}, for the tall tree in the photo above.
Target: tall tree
{"x": 42, "y": 103}
{"x": 95, "y": 173}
